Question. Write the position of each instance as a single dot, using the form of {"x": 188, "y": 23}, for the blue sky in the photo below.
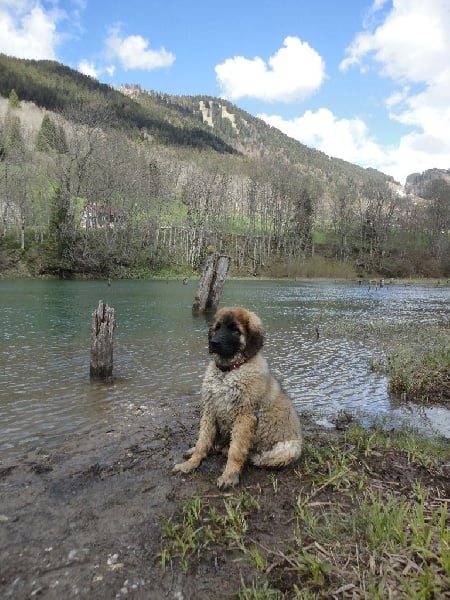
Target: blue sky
{"x": 364, "y": 80}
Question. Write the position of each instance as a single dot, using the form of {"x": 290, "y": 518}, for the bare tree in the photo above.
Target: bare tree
{"x": 438, "y": 217}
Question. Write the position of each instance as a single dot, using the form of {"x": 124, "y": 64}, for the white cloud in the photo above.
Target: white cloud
{"x": 28, "y": 31}
{"x": 133, "y": 52}
{"x": 294, "y": 72}
{"x": 88, "y": 68}
{"x": 411, "y": 46}
{"x": 348, "y": 139}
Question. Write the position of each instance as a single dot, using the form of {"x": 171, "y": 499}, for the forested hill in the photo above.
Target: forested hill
{"x": 121, "y": 182}
{"x": 196, "y": 121}
{"x": 55, "y": 87}
{"x": 250, "y": 135}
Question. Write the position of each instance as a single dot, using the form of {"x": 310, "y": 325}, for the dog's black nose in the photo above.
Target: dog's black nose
{"x": 219, "y": 343}
{"x": 214, "y": 344}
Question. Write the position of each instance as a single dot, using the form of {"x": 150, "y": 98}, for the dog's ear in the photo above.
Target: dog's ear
{"x": 254, "y": 337}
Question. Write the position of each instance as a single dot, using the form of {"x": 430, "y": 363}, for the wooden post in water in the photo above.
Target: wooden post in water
{"x": 211, "y": 283}
{"x": 103, "y": 324}
{"x": 220, "y": 275}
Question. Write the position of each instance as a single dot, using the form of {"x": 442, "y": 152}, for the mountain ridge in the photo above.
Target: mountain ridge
{"x": 170, "y": 120}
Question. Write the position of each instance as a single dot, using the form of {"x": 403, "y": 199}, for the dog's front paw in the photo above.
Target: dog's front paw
{"x": 184, "y": 467}
{"x": 227, "y": 480}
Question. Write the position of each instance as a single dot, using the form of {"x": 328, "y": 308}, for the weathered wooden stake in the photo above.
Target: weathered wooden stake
{"x": 103, "y": 324}
{"x": 211, "y": 283}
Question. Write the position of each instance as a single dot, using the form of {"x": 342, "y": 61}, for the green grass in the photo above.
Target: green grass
{"x": 417, "y": 361}
{"x": 422, "y": 373}
{"x": 352, "y": 529}
{"x": 415, "y": 357}
{"x": 202, "y": 524}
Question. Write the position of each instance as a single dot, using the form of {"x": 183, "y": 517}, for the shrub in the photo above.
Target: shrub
{"x": 422, "y": 375}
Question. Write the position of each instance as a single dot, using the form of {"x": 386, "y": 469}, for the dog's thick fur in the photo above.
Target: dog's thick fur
{"x": 244, "y": 407}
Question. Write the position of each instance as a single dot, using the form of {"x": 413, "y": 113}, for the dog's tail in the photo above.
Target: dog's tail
{"x": 282, "y": 454}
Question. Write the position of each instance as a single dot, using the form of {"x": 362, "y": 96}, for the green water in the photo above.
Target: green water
{"x": 160, "y": 350}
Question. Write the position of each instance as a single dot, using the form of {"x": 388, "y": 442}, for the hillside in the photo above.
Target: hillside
{"x": 55, "y": 87}
{"x": 195, "y": 121}
{"x": 102, "y": 180}
{"x": 247, "y": 134}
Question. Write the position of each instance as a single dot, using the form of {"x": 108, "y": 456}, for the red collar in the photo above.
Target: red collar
{"x": 233, "y": 367}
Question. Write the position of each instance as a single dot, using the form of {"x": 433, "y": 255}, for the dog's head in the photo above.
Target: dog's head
{"x": 236, "y": 335}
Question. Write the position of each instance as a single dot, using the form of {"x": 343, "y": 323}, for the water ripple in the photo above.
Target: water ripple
{"x": 160, "y": 350}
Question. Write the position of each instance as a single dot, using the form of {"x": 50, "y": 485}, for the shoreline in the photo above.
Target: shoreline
{"x": 425, "y": 281}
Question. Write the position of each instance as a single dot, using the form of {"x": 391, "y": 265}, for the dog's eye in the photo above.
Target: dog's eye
{"x": 217, "y": 327}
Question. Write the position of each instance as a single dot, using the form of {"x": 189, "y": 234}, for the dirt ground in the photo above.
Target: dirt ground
{"x": 84, "y": 520}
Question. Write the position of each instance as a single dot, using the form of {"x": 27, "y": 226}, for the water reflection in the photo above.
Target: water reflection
{"x": 321, "y": 338}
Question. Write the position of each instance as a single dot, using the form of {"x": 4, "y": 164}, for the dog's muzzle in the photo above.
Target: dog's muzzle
{"x": 223, "y": 344}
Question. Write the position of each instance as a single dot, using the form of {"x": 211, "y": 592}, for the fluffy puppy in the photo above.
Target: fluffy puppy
{"x": 245, "y": 409}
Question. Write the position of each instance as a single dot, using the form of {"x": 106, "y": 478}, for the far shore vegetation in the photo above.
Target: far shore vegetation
{"x": 17, "y": 263}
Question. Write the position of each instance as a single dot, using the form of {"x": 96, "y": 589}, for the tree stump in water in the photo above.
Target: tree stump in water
{"x": 103, "y": 324}
{"x": 211, "y": 283}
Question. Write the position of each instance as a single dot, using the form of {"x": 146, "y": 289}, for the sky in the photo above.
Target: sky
{"x": 367, "y": 81}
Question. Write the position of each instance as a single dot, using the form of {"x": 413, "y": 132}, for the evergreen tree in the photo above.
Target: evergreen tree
{"x": 13, "y": 138}
{"x": 13, "y": 99}
{"x": 61, "y": 233}
{"x": 51, "y": 137}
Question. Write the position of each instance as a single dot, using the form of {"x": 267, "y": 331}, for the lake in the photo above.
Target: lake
{"x": 160, "y": 350}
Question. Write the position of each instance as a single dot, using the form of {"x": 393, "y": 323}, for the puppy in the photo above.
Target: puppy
{"x": 244, "y": 408}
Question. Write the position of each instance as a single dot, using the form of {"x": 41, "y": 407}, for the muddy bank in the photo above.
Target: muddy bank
{"x": 84, "y": 520}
